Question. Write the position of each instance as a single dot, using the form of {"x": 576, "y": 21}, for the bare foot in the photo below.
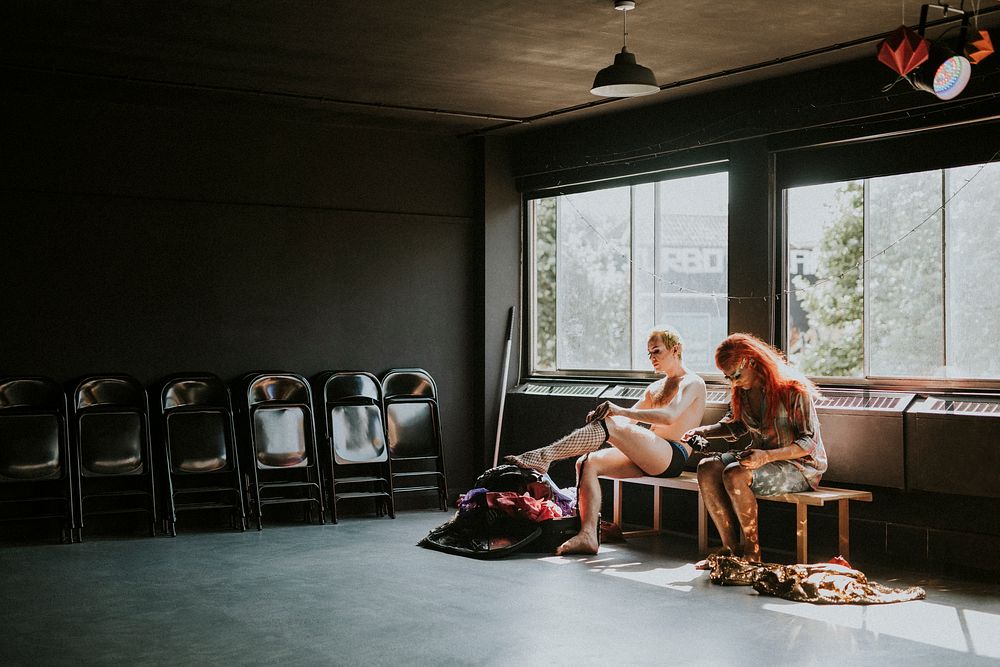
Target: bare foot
{"x": 581, "y": 543}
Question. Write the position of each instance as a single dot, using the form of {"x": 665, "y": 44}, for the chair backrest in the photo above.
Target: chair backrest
{"x": 351, "y": 386}
{"x": 32, "y": 429}
{"x": 111, "y": 391}
{"x": 277, "y": 388}
{"x": 31, "y": 393}
{"x": 280, "y": 407}
{"x": 354, "y": 417}
{"x": 401, "y": 383}
{"x": 197, "y": 423}
{"x": 189, "y": 391}
{"x": 111, "y": 416}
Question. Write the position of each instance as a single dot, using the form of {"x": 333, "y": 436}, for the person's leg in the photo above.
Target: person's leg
{"x": 717, "y": 502}
{"x": 582, "y": 441}
{"x": 644, "y": 448}
{"x": 737, "y": 480}
{"x": 608, "y": 462}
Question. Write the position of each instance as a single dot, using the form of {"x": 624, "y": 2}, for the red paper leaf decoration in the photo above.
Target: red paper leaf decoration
{"x": 979, "y": 46}
{"x": 902, "y": 51}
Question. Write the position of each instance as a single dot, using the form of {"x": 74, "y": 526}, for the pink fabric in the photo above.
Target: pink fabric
{"x": 518, "y": 504}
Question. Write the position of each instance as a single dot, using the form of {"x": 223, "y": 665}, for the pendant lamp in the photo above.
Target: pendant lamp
{"x": 625, "y": 77}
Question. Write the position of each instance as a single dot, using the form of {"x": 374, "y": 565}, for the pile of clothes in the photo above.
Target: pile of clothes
{"x": 835, "y": 582}
{"x": 510, "y": 509}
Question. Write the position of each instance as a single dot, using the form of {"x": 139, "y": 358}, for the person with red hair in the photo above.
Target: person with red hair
{"x": 774, "y": 402}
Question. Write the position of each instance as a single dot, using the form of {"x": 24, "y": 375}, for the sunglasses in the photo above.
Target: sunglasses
{"x": 737, "y": 373}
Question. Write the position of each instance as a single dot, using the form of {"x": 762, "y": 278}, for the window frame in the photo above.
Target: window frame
{"x": 710, "y": 166}
{"x": 940, "y": 148}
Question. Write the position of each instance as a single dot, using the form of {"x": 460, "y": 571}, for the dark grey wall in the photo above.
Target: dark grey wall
{"x": 502, "y": 277}
{"x": 147, "y": 239}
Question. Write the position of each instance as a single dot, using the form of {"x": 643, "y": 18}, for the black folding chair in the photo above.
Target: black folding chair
{"x": 414, "y": 428}
{"x": 114, "y": 460}
{"x": 283, "y": 465}
{"x": 354, "y": 433}
{"x": 199, "y": 449}
{"x": 36, "y": 479}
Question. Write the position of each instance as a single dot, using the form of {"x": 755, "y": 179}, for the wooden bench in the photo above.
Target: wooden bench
{"x": 688, "y": 481}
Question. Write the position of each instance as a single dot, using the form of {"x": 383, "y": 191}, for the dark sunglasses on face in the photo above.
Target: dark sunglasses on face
{"x": 737, "y": 373}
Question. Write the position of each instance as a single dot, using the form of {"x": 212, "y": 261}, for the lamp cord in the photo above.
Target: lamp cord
{"x": 624, "y": 29}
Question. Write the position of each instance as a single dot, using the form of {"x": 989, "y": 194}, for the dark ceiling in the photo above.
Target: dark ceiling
{"x": 436, "y": 65}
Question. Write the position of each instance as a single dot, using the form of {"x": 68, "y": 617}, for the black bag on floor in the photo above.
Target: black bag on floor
{"x": 482, "y": 533}
{"x": 488, "y": 533}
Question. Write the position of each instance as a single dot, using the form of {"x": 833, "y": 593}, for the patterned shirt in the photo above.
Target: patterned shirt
{"x": 800, "y": 428}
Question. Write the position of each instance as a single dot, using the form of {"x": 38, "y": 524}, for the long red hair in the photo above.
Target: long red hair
{"x": 782, "y": 383}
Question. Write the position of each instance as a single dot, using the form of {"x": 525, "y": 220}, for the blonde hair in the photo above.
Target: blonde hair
{"x": 669, "y": 336}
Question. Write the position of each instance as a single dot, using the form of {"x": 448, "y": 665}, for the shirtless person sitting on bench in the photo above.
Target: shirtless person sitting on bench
{"x": 671, "y": 405}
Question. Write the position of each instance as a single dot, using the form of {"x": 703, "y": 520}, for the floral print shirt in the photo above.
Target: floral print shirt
{"x": 799, "y": 425}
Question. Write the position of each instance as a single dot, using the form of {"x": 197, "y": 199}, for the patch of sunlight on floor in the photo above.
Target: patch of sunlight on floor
{"x": 919, "y": 621}
{"x": 557, "y": 560}
{"x": 664, "y": 577}
{"x": 844, "y": 615}
{"x": 616, "y": 566}
{"x": 984, "y": 632}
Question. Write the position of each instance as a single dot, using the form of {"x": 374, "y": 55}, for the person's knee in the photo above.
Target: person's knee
{"x": 613, "y": 427}
{"x": 736, "y": 477}
{"x": 710, "y": 468}
{"x": 588, "y": 465}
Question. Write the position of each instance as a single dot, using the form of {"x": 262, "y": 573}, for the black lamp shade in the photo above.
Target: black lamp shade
{"x": 625, "y": 78}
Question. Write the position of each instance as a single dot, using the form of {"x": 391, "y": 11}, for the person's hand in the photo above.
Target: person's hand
{"x": 695, "y": 440}
{"x": 755, "y": 459}
{"x": 690, "y": 434}
{"x": 602, "y": 411}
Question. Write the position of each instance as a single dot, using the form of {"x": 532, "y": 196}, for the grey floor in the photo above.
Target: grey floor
{"x": 361, "y": 593}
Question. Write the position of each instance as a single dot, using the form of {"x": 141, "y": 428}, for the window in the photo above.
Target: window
{"x": 608, "y": 265}
{"x": 896, "y": 276}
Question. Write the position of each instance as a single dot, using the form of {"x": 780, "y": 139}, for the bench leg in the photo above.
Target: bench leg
{"x": 702, "y": 525}
{"x": 844, "y": 521}
{"x": 801, "y": 533}
{"x": 657, "y": 525}
{"x": 617, "y": 495}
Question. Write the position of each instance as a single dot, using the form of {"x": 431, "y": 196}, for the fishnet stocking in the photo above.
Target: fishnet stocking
{"x": 581, "y": 441}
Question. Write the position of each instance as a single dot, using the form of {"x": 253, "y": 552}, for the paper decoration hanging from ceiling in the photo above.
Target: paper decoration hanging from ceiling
{"x": 903, "y": 50}
{"x": 979, "y": 46}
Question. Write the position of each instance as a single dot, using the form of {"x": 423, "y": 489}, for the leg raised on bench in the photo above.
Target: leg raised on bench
{"x": 844, "y": 523}
{"x": 801, "y": 533}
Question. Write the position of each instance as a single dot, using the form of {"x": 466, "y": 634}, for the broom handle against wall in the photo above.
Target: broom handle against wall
{"x": 503, "y": 384}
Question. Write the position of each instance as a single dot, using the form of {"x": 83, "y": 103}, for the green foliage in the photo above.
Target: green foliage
{"x": 905, "y": 284}
{"x": 592, "y": 288}
{"x": 545, "y": 282}
{"x": 834, "y": 304}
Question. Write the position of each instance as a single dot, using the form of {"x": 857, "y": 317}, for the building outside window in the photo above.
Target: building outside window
{"x": 610, "y": 264}
{"x": 896, "y": 276}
